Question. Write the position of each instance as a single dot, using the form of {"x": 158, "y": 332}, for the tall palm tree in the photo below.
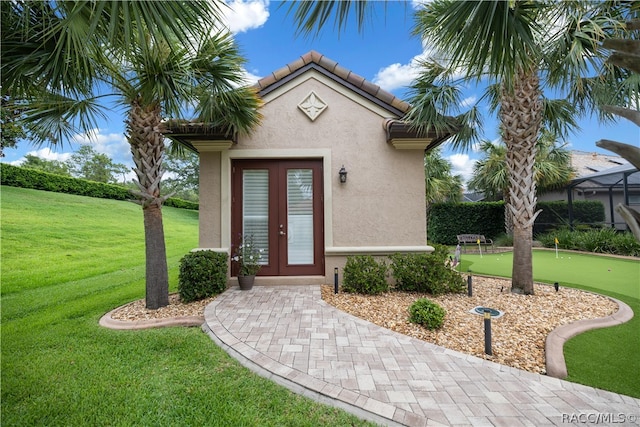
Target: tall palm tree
{"x": 160, "y": 61}
{"x": 516, "y": 44}
{"x": 552, "y": 169}
{"x": 513, "y": 43}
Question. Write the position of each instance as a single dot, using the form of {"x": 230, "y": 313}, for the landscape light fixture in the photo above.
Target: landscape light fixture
{"x": 557, "y": 286}
{"x": 343, "y": 175}
{"x": 487, "y": 331}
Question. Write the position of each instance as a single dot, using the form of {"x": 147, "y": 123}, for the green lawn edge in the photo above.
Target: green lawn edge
{"x": 60, "y": 274}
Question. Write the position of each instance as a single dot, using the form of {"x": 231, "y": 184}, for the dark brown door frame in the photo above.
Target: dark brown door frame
{"x": 278, "y": 213}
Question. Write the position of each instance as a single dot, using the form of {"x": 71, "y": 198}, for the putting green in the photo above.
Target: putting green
{"x": 572, "y": 269}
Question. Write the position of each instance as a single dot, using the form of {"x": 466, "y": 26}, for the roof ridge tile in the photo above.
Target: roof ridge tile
{"x": 335, "y": 68}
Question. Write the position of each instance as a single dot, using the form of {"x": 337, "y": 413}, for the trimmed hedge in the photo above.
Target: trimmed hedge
{"x": 447, "y": 220}
{"x": 15, "y": 176}
{"x": 426, "y": 272}
{"x": 556, "y": 214}
{"x": 364, "y": 275}
{"x": 202, "y": 274}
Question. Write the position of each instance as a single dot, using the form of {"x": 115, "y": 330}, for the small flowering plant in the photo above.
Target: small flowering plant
{"x": 247, "y": 255}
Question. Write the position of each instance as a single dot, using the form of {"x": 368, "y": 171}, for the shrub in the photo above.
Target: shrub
{"x": 600, "y": 240}
{"x": 626, "y": 244}
{"x": 426, "y": 313}
{"x": 202, "y": 275}
{"x": 364, "y": 275}
{"x": 426, "y": 272}
{"x": 504, "y": 239}
{"x": 410, "y": 271}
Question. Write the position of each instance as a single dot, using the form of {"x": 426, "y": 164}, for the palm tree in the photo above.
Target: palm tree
{"x": 440, "y": 184}
{"x": 513, "y": 43}
{"x": 157, "y": 58}
{"x": 552, "y": 170}
{"x": 516, "y": 44}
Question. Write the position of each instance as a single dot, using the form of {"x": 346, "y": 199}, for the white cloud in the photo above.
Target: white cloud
{"x": 417, "y": 4}
{"x": 47, "y": 154}
{"x": 251, "y": 78}
{"x": 468, "y": 101}
{"x": 244, "y": 15}
{"x": 114, "y": 145}
{"x": 462, "y": 164}
{"x": 396, "y": 75}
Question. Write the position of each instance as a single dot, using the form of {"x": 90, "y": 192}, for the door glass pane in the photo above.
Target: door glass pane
{"x": 300, "y": 216}
{"x": 255, "y": 209}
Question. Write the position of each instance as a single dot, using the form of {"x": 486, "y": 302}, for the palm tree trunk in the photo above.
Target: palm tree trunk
{"x": 508, "y": 215}
{"x": 147, "y": 147}
{"x": 520, "y": 116}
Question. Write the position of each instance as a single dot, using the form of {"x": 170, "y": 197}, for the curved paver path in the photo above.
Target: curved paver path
{"x": 288, "y": 334}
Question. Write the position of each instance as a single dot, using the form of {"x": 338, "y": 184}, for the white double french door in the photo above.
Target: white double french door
{"x": 279, "y": 204}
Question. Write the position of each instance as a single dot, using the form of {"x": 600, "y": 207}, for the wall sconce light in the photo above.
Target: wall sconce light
{"x": 343, "y": 175}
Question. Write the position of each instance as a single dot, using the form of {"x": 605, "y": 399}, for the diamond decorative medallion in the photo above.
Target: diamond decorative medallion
{"x": 312, "y": 105}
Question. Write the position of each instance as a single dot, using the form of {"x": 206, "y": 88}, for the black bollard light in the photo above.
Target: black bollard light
{"x": 469, "y": 284}
{"x": 487, "y": 331}
{"x": 335, "y": 280}
{"x": 557, "y": 286}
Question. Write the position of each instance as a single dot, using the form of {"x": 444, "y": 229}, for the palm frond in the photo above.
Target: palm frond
{"x": 559, "y": 116}
{"x": 311, "y": 16}
{"x": 53, "y": 118}
{"x": 494, "y": 38}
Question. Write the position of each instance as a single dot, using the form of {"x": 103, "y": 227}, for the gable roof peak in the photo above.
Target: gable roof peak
{"x": 312, "y": 58}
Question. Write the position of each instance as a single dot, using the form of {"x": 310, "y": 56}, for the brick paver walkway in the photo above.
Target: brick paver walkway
{"x": 288, "y": 334}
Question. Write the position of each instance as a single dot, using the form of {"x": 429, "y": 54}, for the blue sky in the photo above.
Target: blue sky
{"x": 383, "y": 53}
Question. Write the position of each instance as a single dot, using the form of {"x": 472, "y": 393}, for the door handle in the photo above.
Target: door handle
{"x": 282, "y": 233}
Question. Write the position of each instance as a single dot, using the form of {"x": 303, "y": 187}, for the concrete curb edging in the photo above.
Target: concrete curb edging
{"x": 107, "y": 321}
{"x": 554, "y": 360}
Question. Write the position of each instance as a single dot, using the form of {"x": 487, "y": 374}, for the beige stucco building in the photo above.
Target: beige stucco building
{"x": 282, "y": 184}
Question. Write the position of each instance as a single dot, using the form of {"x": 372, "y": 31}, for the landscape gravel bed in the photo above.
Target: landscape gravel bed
{"x": 518, "y": 337}
{"x": 137, "y": 310}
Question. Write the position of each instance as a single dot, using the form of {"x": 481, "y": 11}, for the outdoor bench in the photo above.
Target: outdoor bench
{"x": 473, "y": 239}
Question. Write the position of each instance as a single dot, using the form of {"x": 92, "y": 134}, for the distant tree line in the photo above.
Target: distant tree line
{"x": 181, "y": 180}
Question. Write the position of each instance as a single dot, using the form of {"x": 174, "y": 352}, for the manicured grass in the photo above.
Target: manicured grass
{"x": 603, "y": 358}
{"x": 66, "y": 260}
{"x": 598, "y": 273}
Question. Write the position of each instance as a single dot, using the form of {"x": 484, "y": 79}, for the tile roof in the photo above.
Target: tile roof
{"x": 321, "y": 63}
{"x": 587, "y": 163}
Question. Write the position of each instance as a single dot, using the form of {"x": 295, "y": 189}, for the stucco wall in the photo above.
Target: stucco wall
{"x": 380, "y": 209}
{"x": 210, "y": 202}
{"x": 382, "y": 203}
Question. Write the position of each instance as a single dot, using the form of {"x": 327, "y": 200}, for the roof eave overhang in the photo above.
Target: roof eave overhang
{"x": 200, "y": 137}
{"x": 402, "y": 136}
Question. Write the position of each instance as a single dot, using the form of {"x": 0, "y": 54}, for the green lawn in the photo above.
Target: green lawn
{"x": 66, "y": 260}
{"x": 594, "y": 272}
{"x": 603, "y": 358}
